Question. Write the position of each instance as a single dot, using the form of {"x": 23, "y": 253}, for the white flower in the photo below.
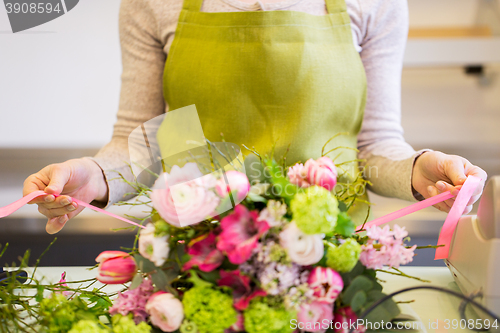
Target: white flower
{"x": 302, "y": 249}
{"x": 155, "y": 249}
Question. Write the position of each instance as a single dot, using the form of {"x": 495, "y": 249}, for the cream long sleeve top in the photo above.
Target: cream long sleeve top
{"x": 379, "y": 29}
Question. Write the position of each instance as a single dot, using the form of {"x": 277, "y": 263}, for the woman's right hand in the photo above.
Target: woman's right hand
{"x": 80, "y": 178}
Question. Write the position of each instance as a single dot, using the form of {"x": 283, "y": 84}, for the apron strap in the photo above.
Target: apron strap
{"x": 335, "y": 6}
{"x": 192, "y": 5}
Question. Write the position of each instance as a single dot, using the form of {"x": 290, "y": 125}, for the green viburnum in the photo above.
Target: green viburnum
{"x": 210, "y": 308}
{"x": 88, "y": 326}
{"x": 260, "y": 316}
{"x": 343, "y": 258}
{"x": 315, "y": 210}
{"x": 125, "y": 324}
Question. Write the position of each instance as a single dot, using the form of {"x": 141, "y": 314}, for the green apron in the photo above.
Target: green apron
{"x": 265, "y": 78}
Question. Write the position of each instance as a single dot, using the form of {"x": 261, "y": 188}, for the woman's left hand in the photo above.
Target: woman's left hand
{"x": 435, "y": 172}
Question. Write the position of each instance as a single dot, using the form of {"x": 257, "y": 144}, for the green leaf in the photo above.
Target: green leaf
{"x": 358, "y": 300}
{"x": 144, "y": 265}
{"x": 342, "y": 206}
{"x": 136, "y": 281}
{"x": 345, "y": 226}
{"x": 360, "y": 282}
{"x": 386, "y": 311}
{"x": 282, "y": 187}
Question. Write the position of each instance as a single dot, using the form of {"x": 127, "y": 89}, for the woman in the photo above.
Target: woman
{"x": 291, "y": 71}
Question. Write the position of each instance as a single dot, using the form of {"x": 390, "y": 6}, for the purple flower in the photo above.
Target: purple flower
{"x": 133, "y": 301}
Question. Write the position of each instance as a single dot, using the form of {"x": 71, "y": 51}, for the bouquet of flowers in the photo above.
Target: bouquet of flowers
{"x": 272, "y": 250}
{"x": 285, "y": 257}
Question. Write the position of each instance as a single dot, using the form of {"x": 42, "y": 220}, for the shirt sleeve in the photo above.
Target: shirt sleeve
{"x": 141, "y": 95}
{"x": 388, "y": 159}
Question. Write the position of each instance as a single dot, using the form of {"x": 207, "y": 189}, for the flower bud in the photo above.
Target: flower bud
{"x": 115, "y": 267}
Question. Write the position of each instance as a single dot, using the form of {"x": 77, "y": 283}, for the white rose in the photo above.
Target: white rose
{"x": 155, "y": 249}
{"x": 302, "y": 249}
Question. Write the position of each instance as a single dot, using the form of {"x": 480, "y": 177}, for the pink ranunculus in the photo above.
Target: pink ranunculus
{"x": 236, "y": 182}
{"x": 326, "y": 284}
{"x": 345, "y": 319}
{"x": 321, "y": 172}
{"x": 297, "y": 175}
{"x": 240, "y": 284}
{"x": 240, "y": 234}
{"x": 115, "y": 267}
{"x": 133, "y": 301}
{"x": 204, "y": 253}
{"x": 185, "y": 196}
{"x": 302, "y": 249}
{"x": 165, "y": 310}
{"x": 315, "y": 317}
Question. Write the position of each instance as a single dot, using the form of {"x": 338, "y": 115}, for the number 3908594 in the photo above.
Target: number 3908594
{"x": 32, "y": 8}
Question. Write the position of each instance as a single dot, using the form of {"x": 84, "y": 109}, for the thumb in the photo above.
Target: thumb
{"x": 455, "y": 171}
{"x": 59, "y": 177}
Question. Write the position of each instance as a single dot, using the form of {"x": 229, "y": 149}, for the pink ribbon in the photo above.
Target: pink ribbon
{"x": 451, "y": 221}
{"x": 9, "y": 209}
{"x": 456, "y": 211}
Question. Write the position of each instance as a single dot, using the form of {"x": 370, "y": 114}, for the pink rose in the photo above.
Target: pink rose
{"x": 302, "y": 249}
{"x": 315, "y": 317}
{"x": 115, "y": 267}
{"x": 204, "y": 253}
{"x": 166, "y": 312}
{"x": 240, "y": 234}
{"x": 326, "y": 284}
{"x": 185, "y": 196}
{"x": 236, "y": 181}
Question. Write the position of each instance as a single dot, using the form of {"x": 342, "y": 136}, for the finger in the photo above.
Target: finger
{"x": 54, "y": 225}
{"x": 35, "y": 183}
{"x": 59, "y": 202}
{"x": 455, "y": 170}
{"x": 56, "y": 212}
{"x": 467, "y": 210}
{"x": 58, "y": 179}
{"x": 433, "y": 191}
{"x": 444, "y": 187}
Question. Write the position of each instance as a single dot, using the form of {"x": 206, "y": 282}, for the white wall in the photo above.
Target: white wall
{"x": 59, "y": 82}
